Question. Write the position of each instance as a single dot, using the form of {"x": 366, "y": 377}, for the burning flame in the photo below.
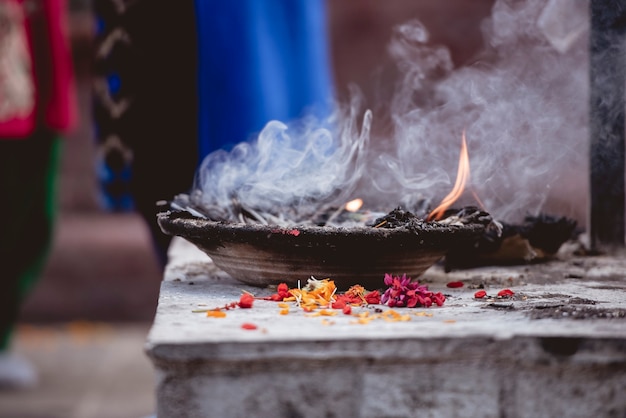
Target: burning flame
{"x": 461, "y": 178}
{"x": 354, "y": 205}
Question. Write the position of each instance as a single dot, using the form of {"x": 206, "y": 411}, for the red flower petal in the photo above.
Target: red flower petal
{"x": 373, "y": 298}
{"x": 506, "y": 293}
{"x": 347, "y": 309}
{"x": 248, "y": 325}
{"x": 480, "y": 294}
{"x": 439, "y": 298}
{"x": 455, "y": 284}
{"x": 339, "y": 304}
{"x": 246, "y": 301}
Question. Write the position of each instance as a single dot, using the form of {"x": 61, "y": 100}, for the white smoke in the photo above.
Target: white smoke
{"x": 523, "y": 104}
{"x": 299, "y": 168}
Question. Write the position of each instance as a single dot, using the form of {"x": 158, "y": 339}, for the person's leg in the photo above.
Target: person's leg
{"x": 28, "y": 172}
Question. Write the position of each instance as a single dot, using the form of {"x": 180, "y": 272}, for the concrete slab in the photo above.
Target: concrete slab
{"x": 558, "y": 348}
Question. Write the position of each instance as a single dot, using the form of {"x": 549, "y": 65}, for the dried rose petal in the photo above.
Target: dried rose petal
{"x": 455, "y": 284}
{"x": 506, "y": 293}
{"x": 403, "y": 292}
{"x": 246, "y": 301}
{"x": 480, "y": 294}
{"x": 282, "y": 292}
{"x": 439, "y": 298}
{"x": 339, "y": 304}
{"x": 248, "y": 325}
{"x": 373, "y": 298}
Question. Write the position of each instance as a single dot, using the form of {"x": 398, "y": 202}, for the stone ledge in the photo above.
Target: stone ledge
{"x": 470, "y": 358}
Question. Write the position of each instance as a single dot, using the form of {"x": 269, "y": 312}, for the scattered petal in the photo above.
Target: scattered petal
{"x": 480, "y": 294}
{"x": 455, "y": 284}
{"x": 246, "y": 301}
{"x": 373, "y": 298}
{"x": 394, "y": 316}
{"x": 404, "y": 292}
{"x": 339, "y": 304}
{"x": 216, "y": 314}
{"x": 248, "y": 326}
{"x": 282, "y": 292}
{"x": 506, "y": 293}
{"x": 323, "y": 312}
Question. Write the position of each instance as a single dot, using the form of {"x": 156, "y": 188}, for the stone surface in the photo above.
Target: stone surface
{"x": 468, "y": 358}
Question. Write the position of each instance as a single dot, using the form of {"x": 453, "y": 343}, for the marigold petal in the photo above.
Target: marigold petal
{"x": 216, "y": 314}
{"x": 325, "y": 312}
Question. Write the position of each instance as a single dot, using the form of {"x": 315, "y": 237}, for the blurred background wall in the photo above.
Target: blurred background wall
{"x": 102, "y": 266}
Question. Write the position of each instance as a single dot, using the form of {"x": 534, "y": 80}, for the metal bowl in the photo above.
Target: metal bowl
{"x": 263, "y": 255}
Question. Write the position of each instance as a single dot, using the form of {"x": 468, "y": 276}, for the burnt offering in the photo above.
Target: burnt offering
{"x": 263, "y": 255}
{"x": 536, "y": 239}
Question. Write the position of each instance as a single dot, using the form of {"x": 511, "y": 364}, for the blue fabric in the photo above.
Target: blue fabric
{"x": 259, "y": 61}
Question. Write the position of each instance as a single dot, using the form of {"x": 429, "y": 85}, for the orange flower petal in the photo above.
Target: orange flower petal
{"x": 216, "y": 314}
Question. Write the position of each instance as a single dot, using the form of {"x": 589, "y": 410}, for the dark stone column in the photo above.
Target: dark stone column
{"x": 607, "y": 107}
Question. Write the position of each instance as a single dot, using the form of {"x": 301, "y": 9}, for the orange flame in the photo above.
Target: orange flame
{"x": 462, "y": 176}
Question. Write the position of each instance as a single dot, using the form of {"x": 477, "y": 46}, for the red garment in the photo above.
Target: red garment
{"x": 36, "y": 75}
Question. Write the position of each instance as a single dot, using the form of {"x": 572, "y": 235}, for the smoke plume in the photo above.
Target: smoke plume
{"x": 523, "y": 104}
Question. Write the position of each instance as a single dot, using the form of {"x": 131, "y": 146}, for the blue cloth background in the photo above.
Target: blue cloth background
{"x": 259, "y": 60}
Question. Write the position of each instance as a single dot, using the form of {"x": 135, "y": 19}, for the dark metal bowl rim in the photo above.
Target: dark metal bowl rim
{"x": 419, "y": 233}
